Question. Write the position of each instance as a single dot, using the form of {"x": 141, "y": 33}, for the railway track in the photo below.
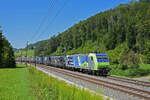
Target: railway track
{"x": 132, "y": 81}
{"x": 142, "y": 94}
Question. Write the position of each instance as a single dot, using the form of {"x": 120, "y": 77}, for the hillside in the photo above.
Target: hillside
{"x": 22, "y": 53}
{"x": 123, "y": 33}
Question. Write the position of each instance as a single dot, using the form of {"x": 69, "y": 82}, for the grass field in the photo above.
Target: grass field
{"x": 14, "y": 84}
{"x": 27, "y": 83}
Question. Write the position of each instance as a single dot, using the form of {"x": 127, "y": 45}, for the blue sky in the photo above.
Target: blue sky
{"x": 20, "y": 18}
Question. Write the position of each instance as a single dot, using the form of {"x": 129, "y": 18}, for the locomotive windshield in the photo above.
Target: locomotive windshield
{"x": 102, "y": 58}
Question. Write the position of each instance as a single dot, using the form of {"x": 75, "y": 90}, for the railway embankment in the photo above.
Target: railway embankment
{"x": 146, "y": 78}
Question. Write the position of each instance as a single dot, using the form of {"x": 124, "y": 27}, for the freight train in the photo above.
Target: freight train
{"x": 97, "y": 64}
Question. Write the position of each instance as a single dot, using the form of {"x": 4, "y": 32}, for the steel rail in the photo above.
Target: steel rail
{"x": 133, "y": 81}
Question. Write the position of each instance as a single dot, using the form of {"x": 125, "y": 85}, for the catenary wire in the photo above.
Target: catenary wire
{"x": 52, "y": 4}
{"x": 58, "y": 12}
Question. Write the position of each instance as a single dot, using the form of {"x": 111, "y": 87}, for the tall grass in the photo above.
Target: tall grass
{"x": 47, "y": 88}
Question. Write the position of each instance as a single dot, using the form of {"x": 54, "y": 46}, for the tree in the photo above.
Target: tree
{"x": 147, "y": 51}
{"x": 144, "y": 0}
{"x": 7, "y": 58}
{"x": 1, "y": 47}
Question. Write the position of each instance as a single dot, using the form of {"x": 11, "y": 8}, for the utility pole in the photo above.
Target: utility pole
{"x": 34, "y": 55}
{"x": 26, "y": 52}
{"x": 21, "y": 56}
{"x": 65, "y": 50}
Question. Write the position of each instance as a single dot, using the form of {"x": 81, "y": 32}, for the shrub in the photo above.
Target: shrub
{"x": 129, "y": 71}
{"x": 124, "y": 67}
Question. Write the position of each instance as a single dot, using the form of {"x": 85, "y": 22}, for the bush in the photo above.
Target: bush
{"x": 138, "y": 72}
{"x": 129, "y": 71}
{"x": 124, "y": 67}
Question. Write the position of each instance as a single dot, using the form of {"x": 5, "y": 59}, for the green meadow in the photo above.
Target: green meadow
{"x": 27, "y": 83}
{"x": 14, "y": 84}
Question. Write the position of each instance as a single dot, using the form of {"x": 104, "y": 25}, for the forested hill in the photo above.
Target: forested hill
{"x": 123, "y": 33}
{"x": 7, "y": 58}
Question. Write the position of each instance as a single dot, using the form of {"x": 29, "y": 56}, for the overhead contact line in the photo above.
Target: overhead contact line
{"x": 52, "y": 4}
{"x": 57, "y": 13}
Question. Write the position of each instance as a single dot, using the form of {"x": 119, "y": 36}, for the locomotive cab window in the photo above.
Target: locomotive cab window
{"x": 92, "y": 58}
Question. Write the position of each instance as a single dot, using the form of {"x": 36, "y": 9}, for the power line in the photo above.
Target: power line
{"x": 44, "y": 19}
{"x": 58, "y": 12}
{"x": 27, "y": 52}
